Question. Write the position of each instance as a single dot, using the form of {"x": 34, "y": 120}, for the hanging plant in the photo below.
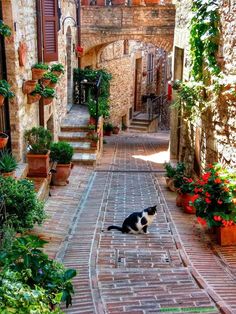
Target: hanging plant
{"x": 5, "y": 30}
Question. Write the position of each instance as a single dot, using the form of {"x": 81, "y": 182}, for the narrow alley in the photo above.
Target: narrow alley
{"x": 177, "y": 267}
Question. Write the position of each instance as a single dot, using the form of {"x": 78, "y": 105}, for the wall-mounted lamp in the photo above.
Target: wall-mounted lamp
{"x": 66, "y": 18}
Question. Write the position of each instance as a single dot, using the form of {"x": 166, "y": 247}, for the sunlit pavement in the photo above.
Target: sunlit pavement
{"x": 176, "y": 268}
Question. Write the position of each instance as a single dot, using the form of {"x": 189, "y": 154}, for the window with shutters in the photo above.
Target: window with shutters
{"x": 49, "y": 30}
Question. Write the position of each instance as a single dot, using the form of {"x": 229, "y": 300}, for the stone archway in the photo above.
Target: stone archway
{"x": 69, "y": 68}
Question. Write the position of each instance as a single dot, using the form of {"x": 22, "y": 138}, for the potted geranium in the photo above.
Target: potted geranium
{"x": 49, "y": 79}
{"x": 48, "y": 94}
{"x": 38, "y": 141}
{"x": 216, "y": 202}
{"x": 108, "y": 128}
{"x": 38, "y": 70}
{"x": 57, "y": 69}
{"x": 186, "y": 192}
{"x": 170, "y": 173}
{"x": 61, "y": 153}
{"x": 35, "y": 95}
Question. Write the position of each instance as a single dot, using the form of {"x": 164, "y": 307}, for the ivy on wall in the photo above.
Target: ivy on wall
{"x": 4, "y": 29}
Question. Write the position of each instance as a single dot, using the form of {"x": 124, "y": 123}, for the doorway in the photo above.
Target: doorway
{"x": 69, "y": 69}
{"x": 137, "y": 84}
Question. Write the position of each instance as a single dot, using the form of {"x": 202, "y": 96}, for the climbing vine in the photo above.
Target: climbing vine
{"x": 205, "y": 72}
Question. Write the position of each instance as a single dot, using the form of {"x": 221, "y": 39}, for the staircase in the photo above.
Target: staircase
{"x": 141, "y": 123}
{"x": 138, "y": 125}
{"x": 74, "y": 131}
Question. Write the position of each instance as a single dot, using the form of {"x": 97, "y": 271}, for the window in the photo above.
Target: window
{"x": 49, "y": 30}
{"x": 150, "y": 68}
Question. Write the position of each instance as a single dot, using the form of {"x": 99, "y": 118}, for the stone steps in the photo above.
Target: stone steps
{"x": 82, "y": 147}
{"x": 73, "y": 136}
{"x": 84, "y": 158}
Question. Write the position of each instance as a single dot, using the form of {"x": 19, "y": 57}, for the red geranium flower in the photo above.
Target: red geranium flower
{"x": 201, "y": 221}
{"x": 217, "y": 180}
{"x": 219, "y": 202}
{"x": 206, "y": 176}
{"x": 208, "y": 201}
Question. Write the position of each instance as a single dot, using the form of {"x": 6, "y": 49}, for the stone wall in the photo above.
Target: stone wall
{"x": 20, "y": 15}
{"x": 213, "y": 137}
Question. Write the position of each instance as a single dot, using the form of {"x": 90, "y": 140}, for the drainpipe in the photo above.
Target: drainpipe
{"x": 78, "y": 23}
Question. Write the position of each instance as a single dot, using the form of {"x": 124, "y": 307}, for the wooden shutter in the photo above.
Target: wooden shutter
{"x": 49, "y": 30}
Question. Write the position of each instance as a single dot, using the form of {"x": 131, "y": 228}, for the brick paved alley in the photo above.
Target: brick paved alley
{"x": 176, "y": 268}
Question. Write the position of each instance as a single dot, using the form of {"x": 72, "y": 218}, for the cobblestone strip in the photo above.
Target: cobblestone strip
{"x": 79, "y": 252}
{"x": 197, "y": 254}
{"x": 142, "y": 274}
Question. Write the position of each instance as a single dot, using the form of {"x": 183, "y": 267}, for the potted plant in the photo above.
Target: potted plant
{"x": 94, "y": 139}
{"x": 215, "y": 202}
{"x": 50, "y": 79}
{"x": 8, "y": 164}
{"x": 108, "y": 128}
{"x": 91, "y": 129}
{"x": 48, "y": 94}
{"x": 61, "y": 153}
{"x": 3, "y": 139}
{"x": 116, "y": 130}
{"x": 5, "y": 30}
{"x": 170, "y": 173}
{"x": 29, "y": 86}
{"x": 57, "y": 69}
{"x": 186, "y": 190}
{"x": 38, "y": 141}
{"x": 5, "y": 91}
{"x": 35, "y": 95}
{"x": 38, "y": 70}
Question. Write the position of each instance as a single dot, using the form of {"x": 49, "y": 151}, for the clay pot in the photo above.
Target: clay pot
{"x": 37, "y": 74}
{"x": 38, "y": 165}
{"x": 33, "y": 98}
{"x": 45, "y": 82}
{"x": 29, "y": 86}
{"x": 94, "y": 144}
{"x": 116, "y": 130}
{"x": 186, "y": 199}
{"x": 9, "y": 174}
{"x": 107, "y": 133}
{"x": 52, "y": 85}
{"x": 2, "y": 98}
{"x": 226, "y": 235}
{"x": 22, "y": 51}
{"x": 92, "y": 121}
{"x": 60, "y": 177}
{"x": 170, "y": 184}
{"x": 47, "y": 101}
{"x": 57, "y": 73}
{"x": 3, "y": 140}
{"x": 179, "y": 200}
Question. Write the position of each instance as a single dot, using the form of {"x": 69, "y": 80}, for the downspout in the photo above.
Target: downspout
{"x": 78, "y": 23}
{"x": 40, "y": 53}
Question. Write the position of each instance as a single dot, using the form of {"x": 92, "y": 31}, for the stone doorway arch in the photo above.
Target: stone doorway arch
{"x": 69, "y": 68}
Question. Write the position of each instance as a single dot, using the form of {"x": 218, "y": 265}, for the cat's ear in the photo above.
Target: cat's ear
{"x": 154, "y": 208}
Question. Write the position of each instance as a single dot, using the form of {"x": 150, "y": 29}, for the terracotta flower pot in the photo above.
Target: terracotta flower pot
{"x": 38, "y": 165}
{"x": 179, "y": 200}
{"x": 9, "y": 174}
{"x": 226, "y": 235}
{"x": 29, "y": 86}
{"x": 33, "y": 98}
{"x": 57, "y": 73}
{"x": 116, "y": 130}
{"x": 37, "y": 74}
{"x": 1, "y": 100}
{"x": 3, "y": 140}
{"x": 60, "y": 177}
{"x": 52, "y": 85}
{"x": 94, "y": 143}
{"x": 47, "y": 101}
{"x": 45, "y": 81}
{"x": 170, "y": 184}
{"x": 187, "y": 207}
{"x": 107, "y": 133}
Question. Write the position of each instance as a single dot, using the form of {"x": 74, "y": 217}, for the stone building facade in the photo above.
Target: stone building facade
{"x": 212, "y": 137}
{"x": 21, "y": 16}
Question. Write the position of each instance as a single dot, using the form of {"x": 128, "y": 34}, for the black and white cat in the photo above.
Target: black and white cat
{"x": 137, "y": 222}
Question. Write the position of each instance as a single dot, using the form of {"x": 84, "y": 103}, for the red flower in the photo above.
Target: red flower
{"x": 219, "y": 202}
{"x": 201, "y": 221}
{"x": 206, "y": 176}
{"x": 217, "y": 180}
{"x": 208, "y": 201}
{"x": 208, "y": 194}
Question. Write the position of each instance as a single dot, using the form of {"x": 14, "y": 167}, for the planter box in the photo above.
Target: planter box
{"x": 38, "y": 165}
{"x": 226, "y": 235}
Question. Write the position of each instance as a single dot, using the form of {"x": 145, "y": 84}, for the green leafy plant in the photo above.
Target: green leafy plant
{"x": 216, "y": 196}
{"x": 26, "y": 257}
{"x": 93, "y": 137}
{"x": 8, "y": 162}
{"x": 49, "y": 75}
{"x": 62, "y": 152}
{"x": 5, "y": 30}
{"x": 40, "y": 65}
{"x": 170, "y": 170}
{"x": 107, "y": 126}
{"x": 48, "y": 92}
{"x": 57, "y": 67}
{"x": 18, "y": 298}
{"x": 37, "y": 90}
{"x": 21, "y": 203}
{"x": 5, "y": 89}
{"x": 38, "y": 140}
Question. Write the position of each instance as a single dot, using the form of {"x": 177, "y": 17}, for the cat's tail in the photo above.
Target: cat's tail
{"x": 115, "y": 227}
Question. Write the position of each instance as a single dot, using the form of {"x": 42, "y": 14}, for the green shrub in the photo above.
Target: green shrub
{"x": 58, "y": 67}
{"x": 48, "y": 92}
{"x": 62, "y": 152}
{"x": 21, "y": 203}
{"x": 40, "y": 65}
{"x": 5, "y": 89}
{"x": 26, "y": 257}
{"x": 38, "y": 140}
{"x": 51, "y": 76}
{"x": 19, "y": 298}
